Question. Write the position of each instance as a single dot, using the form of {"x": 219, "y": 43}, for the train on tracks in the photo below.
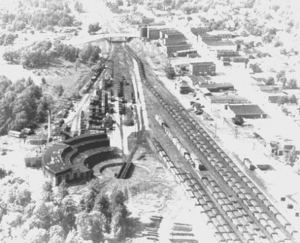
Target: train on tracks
{"x": 250, "y": 212}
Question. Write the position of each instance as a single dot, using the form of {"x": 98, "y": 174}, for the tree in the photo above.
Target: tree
{"x": 43, "y": 80}
{"x": 292, "y": 84}
{"x": 12, "y": 57}
{"x": 62, "y": 190}
{"x": 293, "y": 99}
{"x": 69, "y": 210}
{"x": 278, "y": 43}
{"x": 283, "y": 80}
{"x": 36, "y": 235}
{"x": 56, "y": 234}
{"x": 102, "y": 204}
{"x": 89, "y": 53}
{"x": 282, "y": 100}
{"x": 89, "y": 226}
{"x": 270, "y": 81}
{"x": 23, "y": 195}
{"x": 94, "y": 28}
{"x": 58, "y": 90}
{"x": 255, "y": 68}
{"x": 280, "y": 74}
{"x": 170, "y": 72}
{"x": 47, "y": 191}
{"x": 78, "y": 7}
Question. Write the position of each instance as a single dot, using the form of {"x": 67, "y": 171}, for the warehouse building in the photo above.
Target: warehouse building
{"x": 249, "y": 111}
{"x": 74, "y": 159}
{"x": 202, "y": 68}
{"x": 173, "y": 39}
{"x": 169, "y": 50}
{"x": 216, "y": 45}
{"x": 275, "y": 97}
{"x": 164, "y": 31}
{"x": 227, "y": 99}
{"x": 223, "y": 34}
{"x": 217, "y": 87}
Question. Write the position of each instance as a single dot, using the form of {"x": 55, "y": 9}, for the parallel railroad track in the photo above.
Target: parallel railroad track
{"x": 245, "y": 208}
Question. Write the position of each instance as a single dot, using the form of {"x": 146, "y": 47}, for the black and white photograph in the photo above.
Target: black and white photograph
{"x": 149, "y": 121}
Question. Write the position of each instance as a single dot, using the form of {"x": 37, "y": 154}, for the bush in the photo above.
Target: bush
{"x": 278, "y": 43}
{"x": 7, "y": 39}
{"x": 93, "y": 28}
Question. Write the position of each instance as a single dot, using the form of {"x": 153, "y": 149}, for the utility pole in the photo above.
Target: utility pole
{"x": 215, "y": 127}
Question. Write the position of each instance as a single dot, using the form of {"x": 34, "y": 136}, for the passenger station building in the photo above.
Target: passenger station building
{"x": 74, "y": 158}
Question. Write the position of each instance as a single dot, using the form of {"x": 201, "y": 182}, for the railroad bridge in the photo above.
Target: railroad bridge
{"x": 120, "y": 37}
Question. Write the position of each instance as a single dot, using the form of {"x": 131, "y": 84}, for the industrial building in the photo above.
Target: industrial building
{"x": 169, "y": 50}
{"x": 249, "y": 111}
{"x": 202, "y": 68}
{"x": 74, "y": 158}
{"x": 173, "y": 39}
{"x": 226, "y": 99}
{"x": 216, "y": 45}
{"x": 224, "y": 34}
{"x": 186, "y": 53}
{"x": 217, "y": 87}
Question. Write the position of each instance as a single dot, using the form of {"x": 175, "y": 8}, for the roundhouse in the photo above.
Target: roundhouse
{"x": 74, "y": 158}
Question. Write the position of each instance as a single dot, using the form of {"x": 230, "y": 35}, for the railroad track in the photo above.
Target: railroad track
{"x": 227, "y": 190}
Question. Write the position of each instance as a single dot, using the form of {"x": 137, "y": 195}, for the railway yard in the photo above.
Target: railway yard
{"x": 228, "y": 203}
{"x": 181, "y": 183}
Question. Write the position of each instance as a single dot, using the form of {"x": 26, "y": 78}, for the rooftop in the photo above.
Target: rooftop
{"x": 62, "y": 157}
{"x": 52, "y": 158}
{"x": 178, "y": 44}
{"x": 231, "y": 99}
{"x": 220, "y": 32}
{"x": 220, "y": 43}
{"x": 215, "y": 85}
{"x": 246, "y": 109}
{"x": 201, "y": 63}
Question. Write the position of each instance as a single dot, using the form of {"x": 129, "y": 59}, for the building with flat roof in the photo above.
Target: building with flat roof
{"x": 220, "y": 45}
{"x": 224, "y": 34}
{"x": 169, "y": 50}
{"x": 186, "y": 53}
{"x": 202, "y": 68}
{"x": 74, "y": 158}
{"x": 250, "y": 111}
{"x": 217, "y": 87}
{"x": 227, "y": 99}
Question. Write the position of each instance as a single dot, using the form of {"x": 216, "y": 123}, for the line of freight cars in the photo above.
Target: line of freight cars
{"x": 195, "y": 193}
{"x": 192, "y": 129}
{"x": 191, "y": 158}
{"x": 249, "y": 232}
{"x": 96, "y": 73}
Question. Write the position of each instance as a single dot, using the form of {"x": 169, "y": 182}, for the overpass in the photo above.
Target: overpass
{"x": 119, "y": 36}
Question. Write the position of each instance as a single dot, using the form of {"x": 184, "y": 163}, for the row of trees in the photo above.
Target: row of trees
{"x": 56, "y": 217}
{"x": 44, "y": 52}
{"x": 39, "y": 14}
{"x": 21, "y": 104}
